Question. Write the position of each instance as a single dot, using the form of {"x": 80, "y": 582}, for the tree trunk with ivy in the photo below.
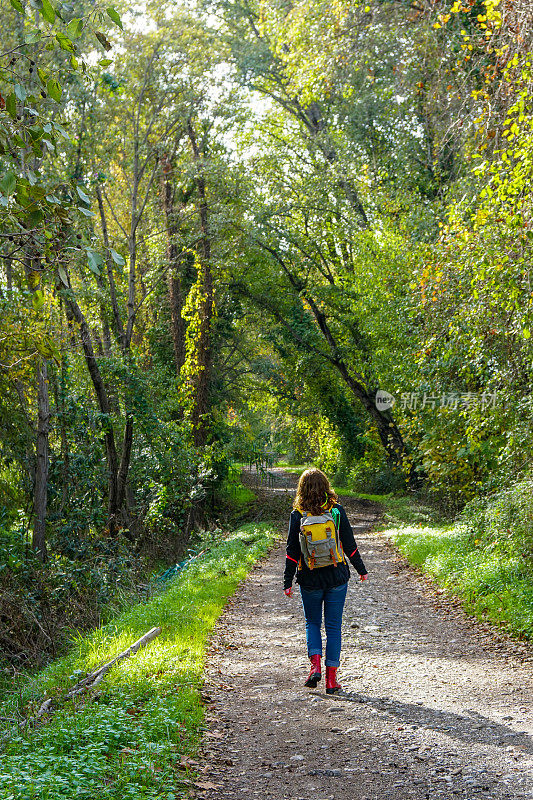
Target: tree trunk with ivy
{"x": 175, "y": 265}
{"x": 203, "y": 340}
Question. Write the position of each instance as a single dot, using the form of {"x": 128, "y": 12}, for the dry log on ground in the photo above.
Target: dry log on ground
{"x": 94, "y": 678}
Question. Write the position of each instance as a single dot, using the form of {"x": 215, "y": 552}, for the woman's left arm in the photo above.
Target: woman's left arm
{"x": 349, "y": 544}
{"x": 293, "y": 550}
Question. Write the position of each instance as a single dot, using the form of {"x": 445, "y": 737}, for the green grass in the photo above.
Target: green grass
{"x": 127, "y": 741}
{"x": 295, "y": 469}
{"x": 236, "y": 497}
{"x": 243, "y": 497}
{"x": 493, "y": 581}
{"x": 346, "y": 492}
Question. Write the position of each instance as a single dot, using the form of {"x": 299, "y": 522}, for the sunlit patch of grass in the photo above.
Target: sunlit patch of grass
{"x": 295, "y": 469}
{"x": 347, "y": 492}
{"x": 243, "y": 496}
{"x": 128, "y": 741}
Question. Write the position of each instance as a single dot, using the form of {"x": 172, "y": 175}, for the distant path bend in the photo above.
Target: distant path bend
{"x": 436, "y": 709}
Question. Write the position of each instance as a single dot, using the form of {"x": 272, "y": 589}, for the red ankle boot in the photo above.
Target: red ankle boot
{"x": 332, "y": 687}
{"x": 315, "y": 674}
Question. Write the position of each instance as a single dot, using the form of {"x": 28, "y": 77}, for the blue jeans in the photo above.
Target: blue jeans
{"x": 333, "y": 602}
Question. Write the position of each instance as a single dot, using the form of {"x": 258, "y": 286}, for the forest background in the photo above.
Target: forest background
{"x": 235, "y": 231}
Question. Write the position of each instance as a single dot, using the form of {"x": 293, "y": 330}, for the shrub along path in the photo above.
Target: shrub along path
{"x": 436, "y": 707}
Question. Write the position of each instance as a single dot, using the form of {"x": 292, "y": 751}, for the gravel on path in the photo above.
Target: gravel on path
{"x": 434, "y": 708}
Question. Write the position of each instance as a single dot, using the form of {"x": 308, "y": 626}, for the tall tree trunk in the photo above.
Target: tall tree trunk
{"x": 59, "y": 397}
{"x": 124, "y": 338}
{"x": 9, "y": 274}
{"x": 204, "y": 341}
{"x": 75, "y": 312}
{"x": 132, "y": 242}
{"x": 40, "y": 496}
{"x": 387, "y": 428}
{"x": 122, "y": 480}
{"x": 388, "y": 431}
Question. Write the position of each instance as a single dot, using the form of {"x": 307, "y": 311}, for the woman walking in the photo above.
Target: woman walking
{"x": 319, "y": 540}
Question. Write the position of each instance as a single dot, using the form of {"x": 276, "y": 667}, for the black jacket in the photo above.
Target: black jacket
{"x": 320, "y": 577}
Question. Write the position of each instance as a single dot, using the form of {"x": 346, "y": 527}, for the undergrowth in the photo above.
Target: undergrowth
{"x": 131, "y": 739}
{"x": 89, "y": 577}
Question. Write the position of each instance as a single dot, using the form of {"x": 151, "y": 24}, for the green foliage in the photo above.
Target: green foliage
{"x": 372, "y": 473}
{"x": 38, "y": 206}
{"x": 13, "y": 543}
{"x": 118, "y": 429}
{"x": 157, "y": 518}
{"x": 86, "y": 578}
{"x": 476, "y": 307}
{"x": 502, "y": 522}
{"x": 129, "y": 740}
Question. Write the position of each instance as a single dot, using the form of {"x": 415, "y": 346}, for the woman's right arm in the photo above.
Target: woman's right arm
{"x": 293, "y": 550}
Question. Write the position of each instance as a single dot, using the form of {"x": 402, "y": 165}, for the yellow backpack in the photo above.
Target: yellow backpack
{"x": 319, "y": 539}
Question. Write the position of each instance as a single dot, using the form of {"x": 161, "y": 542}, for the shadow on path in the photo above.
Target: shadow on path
{"x": 467, "y": 729}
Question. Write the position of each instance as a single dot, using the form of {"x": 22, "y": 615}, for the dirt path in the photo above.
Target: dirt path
{"x": 434, "y": 707}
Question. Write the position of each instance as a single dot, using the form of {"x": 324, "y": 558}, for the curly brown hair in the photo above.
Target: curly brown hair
{"x": 314, "y": 493}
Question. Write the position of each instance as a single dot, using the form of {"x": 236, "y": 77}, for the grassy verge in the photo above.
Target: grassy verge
{"x": 131, "y": 739}
{"x": 295, "y": 469}
{"x": 490, "y": 575}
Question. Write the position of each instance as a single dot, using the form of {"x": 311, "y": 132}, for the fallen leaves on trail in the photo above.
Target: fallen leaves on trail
{"x": 215, "y": 734}
{"x": 205, "y": 785}
{"x": 186, "y": 762}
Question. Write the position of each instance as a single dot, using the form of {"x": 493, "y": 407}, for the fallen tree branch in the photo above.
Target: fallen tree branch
{"x": 93, "y": 678}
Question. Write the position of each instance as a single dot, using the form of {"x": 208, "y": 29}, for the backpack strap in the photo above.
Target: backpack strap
{"x": 336, "y": 514}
